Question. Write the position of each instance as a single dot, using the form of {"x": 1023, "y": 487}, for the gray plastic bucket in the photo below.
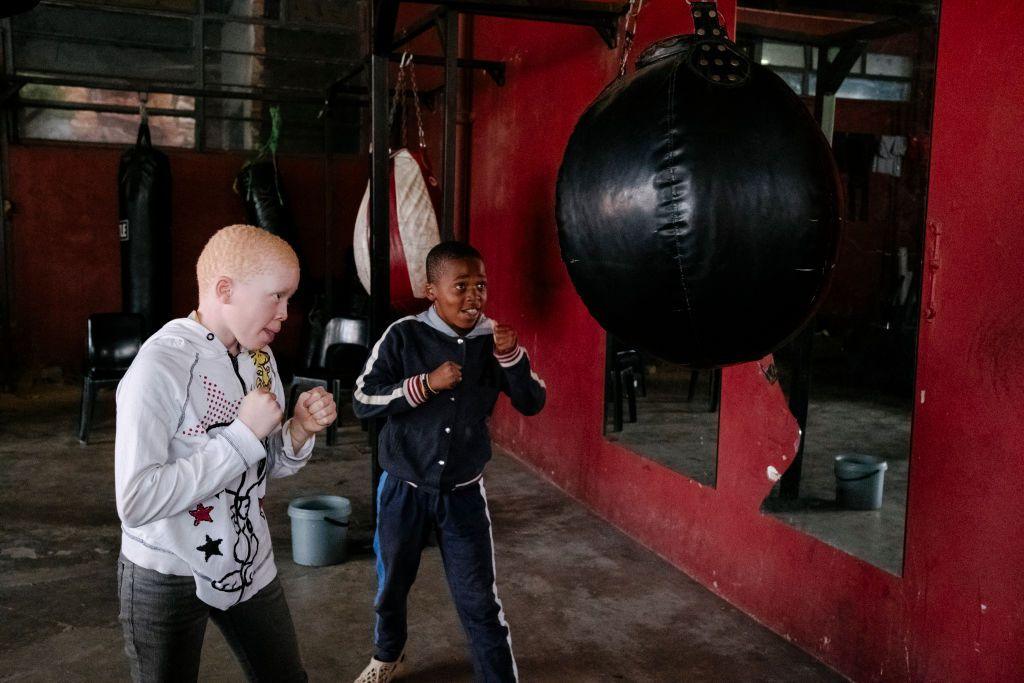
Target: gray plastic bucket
{"x": 859, "y": 481}
{"x": 319, "y": 529}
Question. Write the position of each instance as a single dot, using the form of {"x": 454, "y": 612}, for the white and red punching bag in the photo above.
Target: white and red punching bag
{"x": 415, "y": 196}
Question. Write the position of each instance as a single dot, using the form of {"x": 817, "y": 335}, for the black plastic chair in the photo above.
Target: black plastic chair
{"x": 626, "y": 375}
{"x": 112, "y": 342}
{"x": 342, "y": 354}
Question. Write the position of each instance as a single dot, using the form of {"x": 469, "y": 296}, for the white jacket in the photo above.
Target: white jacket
{"x": 190, "y": 478}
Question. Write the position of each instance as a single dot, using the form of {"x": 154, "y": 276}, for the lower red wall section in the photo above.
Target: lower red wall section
{"x": 956, "y": 614}
{"x": 66, "y": 252}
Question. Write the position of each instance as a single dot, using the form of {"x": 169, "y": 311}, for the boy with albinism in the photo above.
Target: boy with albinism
{"x": 199, "y": 432}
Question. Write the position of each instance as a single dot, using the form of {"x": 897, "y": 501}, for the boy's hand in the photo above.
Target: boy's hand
{"x": 260, "y": 412}
{"x": 505, "y": 338}
{"x": 446, "y": 376}
{"x": 314, "y": 411}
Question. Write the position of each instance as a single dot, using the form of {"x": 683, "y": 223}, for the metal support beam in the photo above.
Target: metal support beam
{"x": 451, "y": 103}
{"x": 380, "y": 248}
{"x": 867, "y": 32}
{"x": 893, "y": 8}
{"x": 581, "y": 12}
{"x": 133, "y": 85}
{"x": 6, "y": 262}
{"x": 418, "y": 27}
{"x": 832, "y": 72}
{"x": 385, "y": 14}
{"x": 199, "y": 44}
{"x": 601, "y": 16}
{"x": 494, "y": 69}
{"x": 106, "y": 108}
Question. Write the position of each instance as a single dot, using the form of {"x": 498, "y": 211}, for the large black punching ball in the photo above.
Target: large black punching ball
{"x": 144, "y": 210}
{"x": 698, "y": 204}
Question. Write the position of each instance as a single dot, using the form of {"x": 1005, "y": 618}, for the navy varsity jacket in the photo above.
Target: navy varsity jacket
{"x": 440, "y": 441}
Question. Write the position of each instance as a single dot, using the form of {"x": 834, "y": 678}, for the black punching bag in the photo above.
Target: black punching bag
{"x": 144, "y": 210}
{"x": 259, "y": 185}
{"x": 698, "y": 204}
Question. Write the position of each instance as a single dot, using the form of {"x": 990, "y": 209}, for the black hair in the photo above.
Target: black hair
{"x": 444, "y": 252}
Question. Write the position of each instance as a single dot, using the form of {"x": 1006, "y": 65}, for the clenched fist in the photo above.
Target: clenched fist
{"x": 505, "y": 338}
{"x": 446, "y": 376}
{"x": 315, "y": 410}
{"x": 260, "y": 412}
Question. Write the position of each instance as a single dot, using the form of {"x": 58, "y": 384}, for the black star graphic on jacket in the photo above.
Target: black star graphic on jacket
{"x": 211, "y": 547}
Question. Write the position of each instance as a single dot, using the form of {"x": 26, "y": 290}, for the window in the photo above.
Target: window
{"x": 53, "y": 112}
{"x": 875, "y": 76}
{"x": 212, "y": 70}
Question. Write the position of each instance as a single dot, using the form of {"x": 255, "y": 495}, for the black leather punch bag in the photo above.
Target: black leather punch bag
{"x": 259, "y": 185}
{"x": 144, "y": 208}
{"x": 698, "y": 203}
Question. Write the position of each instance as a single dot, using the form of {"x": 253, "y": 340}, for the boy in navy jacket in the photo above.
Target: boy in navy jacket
{"x": 436, "y": 377}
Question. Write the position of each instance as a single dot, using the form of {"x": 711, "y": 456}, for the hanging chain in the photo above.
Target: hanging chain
{"x": 399, "y": 87}
{"x": 629, "y": 33}
{"x": 416, "y": 106}
{"x": 405, "y": 84}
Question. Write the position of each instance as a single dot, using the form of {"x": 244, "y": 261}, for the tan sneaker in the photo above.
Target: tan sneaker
{"x": 381, "y": 672}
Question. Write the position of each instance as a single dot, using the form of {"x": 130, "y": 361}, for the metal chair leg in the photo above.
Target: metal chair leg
{"x": 332, "y": 431}
{"x": 694, "y": 375}
{"x": 85, "y": 418}
{"x": 616, "y": 401}
{"x": 629, "y": 382}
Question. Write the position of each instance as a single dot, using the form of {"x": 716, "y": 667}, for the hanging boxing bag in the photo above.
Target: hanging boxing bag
{"x": 259, "y": 185}
{"x": 698, "y": 204}
{"x": 413, "y": 230}
{"x": 144, "y": 213}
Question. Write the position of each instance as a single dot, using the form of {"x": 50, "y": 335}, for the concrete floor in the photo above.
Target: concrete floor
{"x": 567, "y": 579}
{"x": 683, "y": 436}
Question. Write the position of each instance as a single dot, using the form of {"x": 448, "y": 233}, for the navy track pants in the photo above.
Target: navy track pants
{"x": 405, "y": 516}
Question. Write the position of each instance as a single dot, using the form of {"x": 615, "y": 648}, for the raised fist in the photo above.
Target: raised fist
{"x": 260, "y": 412}
{"x": 315, "y": 410}
{"x": 505, "y": 338}
{"x": 446, "y": 376}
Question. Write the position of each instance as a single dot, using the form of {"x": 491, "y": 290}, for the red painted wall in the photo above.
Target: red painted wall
{"x": 956, "y": 614}
{"x": 66, "y": 251}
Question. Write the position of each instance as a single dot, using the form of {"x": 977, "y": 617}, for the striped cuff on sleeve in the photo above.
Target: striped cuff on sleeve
{"x": 414, "y": 393}
{"x": 507, "y": 360}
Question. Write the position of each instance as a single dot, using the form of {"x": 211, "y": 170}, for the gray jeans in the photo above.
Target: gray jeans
{"x": 164, "y": 623}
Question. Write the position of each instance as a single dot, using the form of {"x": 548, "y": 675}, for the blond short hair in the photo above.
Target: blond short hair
{"x": 242, "y": 252}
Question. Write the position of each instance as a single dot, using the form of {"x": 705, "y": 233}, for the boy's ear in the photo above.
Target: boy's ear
{"x": 430, "y": 292}
{"x": 222, "y": 288}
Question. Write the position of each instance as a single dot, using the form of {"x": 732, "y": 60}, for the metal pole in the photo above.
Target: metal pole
{"x": 383, "y": 29}
{"x": 199, "y": 39}
{"x": 6, "y": 261}
{"x": 451, "y": 103}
